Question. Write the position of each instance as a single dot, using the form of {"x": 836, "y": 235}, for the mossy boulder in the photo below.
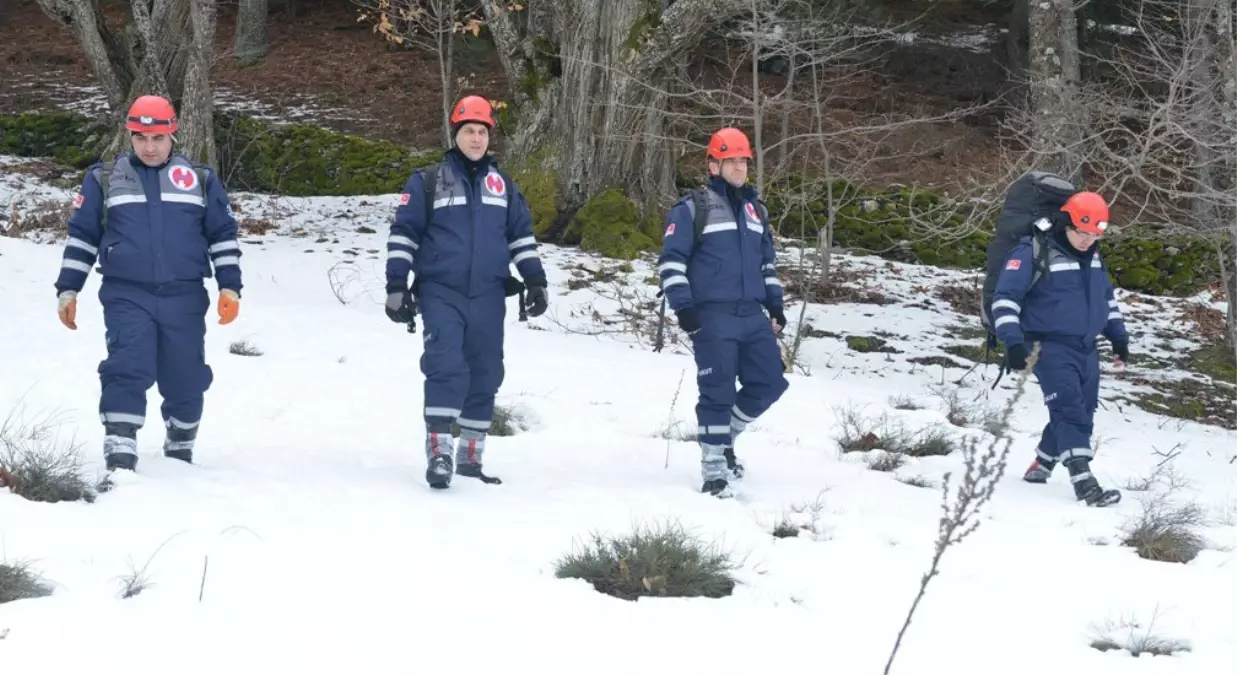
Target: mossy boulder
{"x": 302, "y": 160}
{"x": 296, "y": 160}
{"x": 67, "y": 137}
{"x": 538, "y": 183}
{"x": 891, "y": 223}
{"x": 609, "y": 224}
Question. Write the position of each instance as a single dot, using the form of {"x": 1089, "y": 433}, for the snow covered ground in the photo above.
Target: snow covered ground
{"x": 306, "y": 541}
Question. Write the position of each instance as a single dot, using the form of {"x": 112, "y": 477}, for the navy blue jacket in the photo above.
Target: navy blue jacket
{"x": 480, "y": 226}
{"x": 735, "y": 261}
{"x": 1073, "y": 303}
{"x": 165, "y": 224}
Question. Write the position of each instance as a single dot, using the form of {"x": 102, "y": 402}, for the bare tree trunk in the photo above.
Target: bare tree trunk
{"x": 251, "y": 42}
{"x": 757, "y": 117}
{"x": 585, "y": 74}
{"x": 196, "y": 136}
{"x": 1016, "y": 40}
{"x": 446, "y": 69}
{"x": 1054, "y": 64}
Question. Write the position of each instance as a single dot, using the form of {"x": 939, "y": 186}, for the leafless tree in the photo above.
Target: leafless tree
{"x": 251, "y": 44}
{"x": 167, "y": 47}
{"x": 1058, "y": 114}
{"x": 578, "y": 68}
{"x": 429, "y": 25}
{"x": 1169, "y": 127}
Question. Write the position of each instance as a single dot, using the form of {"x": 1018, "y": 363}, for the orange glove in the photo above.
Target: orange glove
{"x": 68, "y": 309}
{"x": 229, "y": 306}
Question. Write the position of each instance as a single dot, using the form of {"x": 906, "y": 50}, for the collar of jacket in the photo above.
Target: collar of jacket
{"x": 467, "y": 166}
{"x": 1061, "y": 240}
{"x": 746, "y": 192}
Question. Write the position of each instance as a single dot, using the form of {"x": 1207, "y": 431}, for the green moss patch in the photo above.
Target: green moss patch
{"x": 609, "y": 224}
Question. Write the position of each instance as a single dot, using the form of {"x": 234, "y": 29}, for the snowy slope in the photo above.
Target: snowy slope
{"x": 316, "y": 547}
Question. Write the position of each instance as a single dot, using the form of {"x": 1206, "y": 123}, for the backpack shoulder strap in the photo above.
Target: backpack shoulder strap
{"x": 429, "y": 178}
{"x": 1039, "y": 254}
{"x": 700, "y": 207}
{"x": 105, "y": 174}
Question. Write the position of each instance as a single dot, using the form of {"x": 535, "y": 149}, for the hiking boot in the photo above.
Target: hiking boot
{"x": 732, "y": 464}
{"x": 1038, "y": 472}
{"x": 1087, "y": 488}
{"x": 120, "y": 446}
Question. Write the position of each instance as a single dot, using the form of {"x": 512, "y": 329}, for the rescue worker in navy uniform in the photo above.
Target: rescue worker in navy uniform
{"x": 460, "y": 257}
{"x": 1064, "y": 311}
{"x": 156, "y": 231}
{"x": 719, "y": 290}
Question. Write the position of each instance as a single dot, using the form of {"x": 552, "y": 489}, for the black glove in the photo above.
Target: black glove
{"x": 1016, "y": 356}
{"x": 401, "y": 308}
{"x": 778, "y": 315}
{"x": 1122, "y": 350}
{"x": 536, "y": 301}
{"x": 689, "y": 319}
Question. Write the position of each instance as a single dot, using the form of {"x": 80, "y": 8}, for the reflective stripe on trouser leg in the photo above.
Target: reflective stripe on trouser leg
{"x": 713, "y": 462}
{"x": 471, "y": 447}
{"x": 181, "y": 435}
{"x": 738, "y": 422}
{"x": 120, "y": 438}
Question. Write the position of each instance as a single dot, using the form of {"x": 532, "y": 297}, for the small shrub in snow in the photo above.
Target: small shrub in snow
{"x": 931, "y": 442}
{"x": 1164, "y": 475}
{"x": 244, "y": 348}
{"x": 665, "y": 561}
{"x": 17, "y": 582}
{"x": 1131, "y": 636}
{"x": 916, "y": 481}
{"x": 679, "y": 430}
{"x": 505, "y": 422}
{"x": 886, "y": 462}
{"x": 903, "y": 402}
{"x": 800, "y": 518}
{"x": 960, "y": 511}
{"x": 37, "y": 465}
{"x": 1165, "y": 532}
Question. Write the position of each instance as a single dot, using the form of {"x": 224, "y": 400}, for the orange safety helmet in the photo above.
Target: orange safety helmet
{"x": 473, "y": 109}
{"x": 727, "y": 143}
{"x": 152, "y": 115}
{"x": 1088, "y": 212}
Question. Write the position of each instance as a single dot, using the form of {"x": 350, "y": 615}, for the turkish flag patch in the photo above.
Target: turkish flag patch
{"x": 670, "y": 229}
{"x": 403, "y": 198}
{"x": 78, "y": 200}
{"x": 1013, "y": 264}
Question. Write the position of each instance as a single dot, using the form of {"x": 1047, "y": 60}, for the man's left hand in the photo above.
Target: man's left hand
{"x": 536, "y": 301}
{"x": 229, "y": 306}
{"x": 778, "y": 318}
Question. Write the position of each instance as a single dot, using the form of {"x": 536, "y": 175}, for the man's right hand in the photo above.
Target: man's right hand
{"x": 401, "y": 308}
{"x": 689, "y": 320}
{"x": 1016, "y": 357}
{"x": 68, "y": 309}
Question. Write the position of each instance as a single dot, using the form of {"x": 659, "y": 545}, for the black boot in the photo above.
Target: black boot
{"x": 1086, "y": 487}
{"x": 474, "y": 471}
{"x": 179, "y": 443}
{"x": 440, "y": 465}
{"x": 120, "y": 446}
{"x": 732, "y": 463}
{"x": 718, "y": 487}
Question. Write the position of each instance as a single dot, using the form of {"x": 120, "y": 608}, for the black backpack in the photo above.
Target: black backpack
{"x": 1028, "y": 211}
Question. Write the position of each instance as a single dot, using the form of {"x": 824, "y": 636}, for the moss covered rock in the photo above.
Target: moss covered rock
{"x": 890, "y": 223}
{"x": 609, "y": 224}
{"x": 67, "y": 137}
{"x": 538, "y": 183}
{"x": 297, "y": 160}
{"x": 303, "y": 160}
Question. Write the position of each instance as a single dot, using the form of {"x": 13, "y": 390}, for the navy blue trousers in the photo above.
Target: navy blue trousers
{"x": 463, "y": 356}
{"x": 154, "y": 336}
{"x": 1069, "y": 376}
{"x": 735, "y": 341}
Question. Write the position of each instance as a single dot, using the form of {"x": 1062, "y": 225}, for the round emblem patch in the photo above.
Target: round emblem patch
{"x": 495, "y": 184}
{"x": 183, "y": 177}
